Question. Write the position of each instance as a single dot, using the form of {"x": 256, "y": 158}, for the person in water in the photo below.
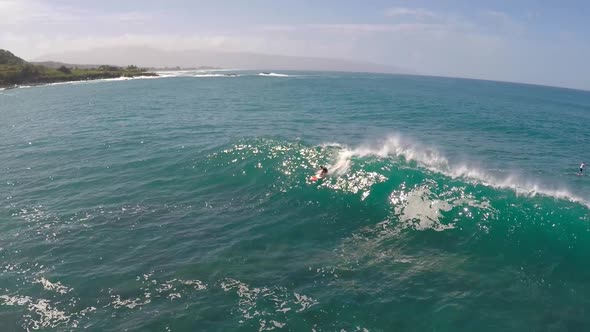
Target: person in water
{"x": 323, "y": 172}
{"x": 582, "y": 167}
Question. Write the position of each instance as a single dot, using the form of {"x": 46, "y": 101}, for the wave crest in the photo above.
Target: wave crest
{"x": 430, "y": 159}
{"x": 273, "y": 75}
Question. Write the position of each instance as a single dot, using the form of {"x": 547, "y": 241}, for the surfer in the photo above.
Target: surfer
{"x": 582, "y": 168}
{"x": 323, "y": 172}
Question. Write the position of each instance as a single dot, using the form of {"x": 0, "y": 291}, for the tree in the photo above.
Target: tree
{"x": 28, "y": 71}
{"x": 109, "y": 68}
{"x": 65, "y": 70}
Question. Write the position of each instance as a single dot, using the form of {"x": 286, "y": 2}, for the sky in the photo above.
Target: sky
{"x": 540, "y": 42}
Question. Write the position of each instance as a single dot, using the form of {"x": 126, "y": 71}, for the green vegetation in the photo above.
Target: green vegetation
{"x": 16, "y": 71}
{"x": 7, "y": 58}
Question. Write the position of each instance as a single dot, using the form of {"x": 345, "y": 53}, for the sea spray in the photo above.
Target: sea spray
{"x": 429, "y": 158}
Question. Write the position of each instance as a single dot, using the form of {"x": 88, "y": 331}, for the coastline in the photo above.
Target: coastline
{"x": 65, "y": 79}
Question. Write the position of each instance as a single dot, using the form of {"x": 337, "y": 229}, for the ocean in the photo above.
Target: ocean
{"x": 183, "y": 203}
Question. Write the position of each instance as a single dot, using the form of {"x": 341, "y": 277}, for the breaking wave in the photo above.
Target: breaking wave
{"x": 417, "y": 186}
{"x": 273, "y": 75}
{"x": 430, "y": 159}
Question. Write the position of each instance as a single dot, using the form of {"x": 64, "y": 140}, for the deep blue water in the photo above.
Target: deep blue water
{"x": 184, "y": 204}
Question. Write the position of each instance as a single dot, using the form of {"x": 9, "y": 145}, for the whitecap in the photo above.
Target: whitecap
{"x": 273, "y": 75}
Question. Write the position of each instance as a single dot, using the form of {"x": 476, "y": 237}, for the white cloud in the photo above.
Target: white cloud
{"x": 417, "y": 13}
{"x": 276, "y": 28}
{"x": 127, "y": 17}
{"x": 31, "y": 13}
{"x": 44, "y": 44}
{"x": 14, "y": 12}
{"x": 371, "y": 28}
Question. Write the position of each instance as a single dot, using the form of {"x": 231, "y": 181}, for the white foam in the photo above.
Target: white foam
{"x": 399, "y": 147}
{"x": 418, "y": 209}
{"x": 48, "y": 316}
{"x": 171, "y": 289}
{"x": 214, "y": 75}
{"x": 15, "y": 300}
{"x": 270, "y": 325}
{"x": 253, "y": 300}
{"x": 304, "y": 301}
{"x": 359, "y": 181}
{"x": 430, "y": 159}
{"x": 330, "y": 144}
{"x": 195, "y": 73}
{"x": 57, "y": 286}
{"x": 342, "y": 163}
{"x": 273, "y": 75}
{"x": 128, "y": 303}
{"x": 114, "y": 79}
{"x": 197, "y": 284}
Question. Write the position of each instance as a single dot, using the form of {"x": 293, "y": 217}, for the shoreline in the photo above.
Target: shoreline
{"x": 77, "y": 79}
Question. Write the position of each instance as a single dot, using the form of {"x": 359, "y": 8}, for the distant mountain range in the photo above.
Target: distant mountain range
{"x": 157, "y": 58}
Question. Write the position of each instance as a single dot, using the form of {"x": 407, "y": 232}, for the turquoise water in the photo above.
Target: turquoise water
{"x": 184, "y": 204}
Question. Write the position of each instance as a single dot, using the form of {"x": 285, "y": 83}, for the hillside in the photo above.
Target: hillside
{"x": 56, "y": 64}
{"x": 7, "y": 58}
{"x": 16, "y": 71}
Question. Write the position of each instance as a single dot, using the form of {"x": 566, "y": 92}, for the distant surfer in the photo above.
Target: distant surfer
{"x": 582, "y": 168}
